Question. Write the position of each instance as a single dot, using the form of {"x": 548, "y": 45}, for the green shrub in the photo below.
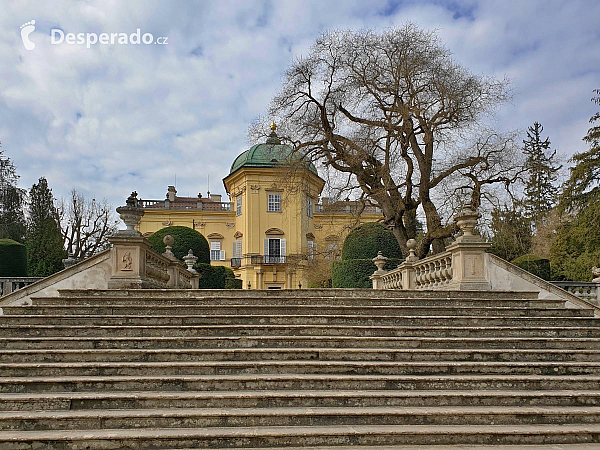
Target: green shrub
{"x": 365, "y": 241}
{"x": 355, "y": 273}
{"x": 217, "y": 277}
{"x": 185, "y": 239}
{"x": 13, "y": 259}
{"x": 534, "y": 264}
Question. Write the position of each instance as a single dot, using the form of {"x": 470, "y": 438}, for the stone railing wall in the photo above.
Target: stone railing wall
{"x": 465, "y": 265}
{"x": 433, "y": 272}
{"x": 11, "y": 284}
{"x": 587, "y": 291}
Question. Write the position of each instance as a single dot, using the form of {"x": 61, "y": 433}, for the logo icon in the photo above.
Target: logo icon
{"x": 26, "y": 30}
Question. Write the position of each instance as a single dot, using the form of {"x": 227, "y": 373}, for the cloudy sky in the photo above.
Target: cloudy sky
{"x": 114, "y": 118}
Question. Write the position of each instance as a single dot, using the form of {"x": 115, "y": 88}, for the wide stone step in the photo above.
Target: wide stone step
{"x": 294, "y": 354}
{"x": 229, "y": 342}
{"x": 297, "y": 310}
{"x": 294, "y": 416}
{"x": 240, "y": 331}
{"x": 442, "y": 301}
{"x": 297, "y": 382}
{"x": 298, "y": 367}
{"x": 301, "y": 320}
{"x": 366, "y": 435}
{"x": 248, "y": 295}
{"x": 292, "y": 398}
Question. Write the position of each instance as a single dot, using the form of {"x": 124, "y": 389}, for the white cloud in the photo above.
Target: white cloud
{"x": 112, "y": 119}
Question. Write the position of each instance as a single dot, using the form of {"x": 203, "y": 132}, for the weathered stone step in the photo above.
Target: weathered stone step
{"x": 294, "y": 416}
{"x": 239, "y": 330}
{"x": 292, "y": 398}
{"x": 316, "y": 319}
{"x": 60, "y": 343}
{"x": 297, "y": 353}
{"x": 297, "y": 382}
{"x": 441, "y": 301}
{"x": 293, "y": 293}
{"x": 408, "y": 368}
{"x": 296, "y": 311}
{"x": 366, "y": 435}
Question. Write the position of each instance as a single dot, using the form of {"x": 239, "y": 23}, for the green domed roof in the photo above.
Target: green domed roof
{"x": 269, "y": 154}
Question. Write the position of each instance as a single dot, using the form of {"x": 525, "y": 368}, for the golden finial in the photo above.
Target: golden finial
{"x": 273, "y": 126}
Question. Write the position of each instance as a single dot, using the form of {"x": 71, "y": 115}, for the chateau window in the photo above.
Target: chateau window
{"x": 274, "y": 250}
{"x": 274, "y": 203}
{"x": 332, "y": 251}
{"x": 312, "y": 249}
{"x": 238, "y": 206}
{"x": 237, "y": 248}
{"x": 216, "y": 254}
{"x": 309, "y": 207}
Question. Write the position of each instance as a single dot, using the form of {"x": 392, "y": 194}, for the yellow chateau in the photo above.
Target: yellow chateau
{"x": 274, "y": 229}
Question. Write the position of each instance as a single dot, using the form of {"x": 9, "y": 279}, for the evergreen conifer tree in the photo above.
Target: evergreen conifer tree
{"x": 541, "y": 189}
{"x": 12, "y": 218}
{"x": 43, "y": 239}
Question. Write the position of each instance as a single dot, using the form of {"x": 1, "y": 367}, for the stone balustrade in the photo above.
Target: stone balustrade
{"x": 587, "y": 291}
{"x": 11, "y": 284}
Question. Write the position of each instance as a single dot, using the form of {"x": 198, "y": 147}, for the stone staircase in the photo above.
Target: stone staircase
{"x": 314, "y": 369}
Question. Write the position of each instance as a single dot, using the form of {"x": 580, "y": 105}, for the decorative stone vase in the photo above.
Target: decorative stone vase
{"x": 596, "y": 272}
{"x": 131, "y": 215}
{"x": 380, "y": 261}
{"x": 190, "y": 260}
{"x": 466, "y": 220}
{"x": 69, "y": 261}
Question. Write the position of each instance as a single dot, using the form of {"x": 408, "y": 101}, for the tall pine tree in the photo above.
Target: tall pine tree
{"x": 541, "y": 165}
{"x": 12, "y": 218}
{"x": 576, "y": 245}
{"x": 43, "y": 239}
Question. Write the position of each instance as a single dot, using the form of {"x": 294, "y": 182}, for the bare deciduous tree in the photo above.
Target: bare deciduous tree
{"x": 85, "y": 225}
{"x": 385, "y": 109}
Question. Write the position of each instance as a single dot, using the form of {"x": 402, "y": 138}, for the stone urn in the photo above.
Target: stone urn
{"x": 466, "y": 220}
{"x": 131, "y": 214}
{"x": 596, "y": 272}
{"x": 190, "y": 259}
{"x": 379, "y": 261}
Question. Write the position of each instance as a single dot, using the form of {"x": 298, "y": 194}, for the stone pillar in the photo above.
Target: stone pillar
{"x": 260, "y": 279}
{"x": 379, "y": 261}
{"x": 469, "y": 259}
{"x": 407, "y": 267}
{"x": 288, "y": 284}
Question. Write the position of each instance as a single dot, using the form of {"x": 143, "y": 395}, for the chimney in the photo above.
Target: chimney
{"x": 215, "y": 198}
{"x": 324, "y": 201}
{"x": 171, "y": 193}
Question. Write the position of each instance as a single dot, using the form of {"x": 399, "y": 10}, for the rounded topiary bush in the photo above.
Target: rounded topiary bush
{"x": 217, "y": 277}
{"x": 534, "y": 264}
{"x": 355, "y": 273}
{"x": 13, "y": 259}
{"x": 185, "y": 239}
{"x": 365, "y": 241}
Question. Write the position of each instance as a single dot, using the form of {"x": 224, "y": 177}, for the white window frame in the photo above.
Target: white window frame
{"x": 312, "y": 249}
{"x": 273, "y": 202}
{"x": 215, "y": 246}
{"x": 238, "y": 206}
{"x": 274, "y": 258}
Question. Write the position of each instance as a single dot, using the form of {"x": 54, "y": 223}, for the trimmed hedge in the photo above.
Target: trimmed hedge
{"x": 534, "y": 264}
{"x": 366, "y": 240}
{"x": 355, "y": 273}
{"x": 185, "y": 238}
{"x": 13, "y": 259}
{"x": 217, "y": 277}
